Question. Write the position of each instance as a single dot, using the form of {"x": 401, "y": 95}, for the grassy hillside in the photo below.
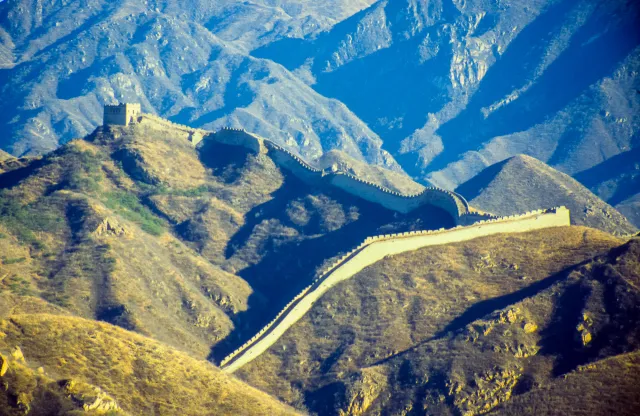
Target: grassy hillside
{"x": 523, "y": 183}
{"x": 4, "y": 155}
{"x": 194, "y": 247}
{"x": 459, "y": 328}
{"x": 67, "y": 357}
{"x": 608, "y": 386}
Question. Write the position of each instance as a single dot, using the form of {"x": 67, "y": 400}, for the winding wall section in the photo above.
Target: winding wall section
{"x": 452, "y": 203}
{"x": 372, "y": 250}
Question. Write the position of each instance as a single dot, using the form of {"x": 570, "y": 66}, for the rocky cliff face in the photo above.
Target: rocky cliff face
{"x": 440, "y": 89}
{"x": 454, "y": 86}
{"x": 62, "y": 61}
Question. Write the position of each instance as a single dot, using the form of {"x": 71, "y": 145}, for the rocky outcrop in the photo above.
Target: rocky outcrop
{"x": 111, "y": 227}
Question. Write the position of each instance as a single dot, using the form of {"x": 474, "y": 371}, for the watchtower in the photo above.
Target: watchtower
{"x": 121, "y": 114}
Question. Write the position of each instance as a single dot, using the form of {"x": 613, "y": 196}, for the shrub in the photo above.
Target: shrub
{"x": 23, "y": 220}
{"x": 6, "y": 261}
{"x": 128, "y": 205}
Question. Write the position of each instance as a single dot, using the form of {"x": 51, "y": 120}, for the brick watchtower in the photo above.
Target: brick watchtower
{"x": 121, "y": 114}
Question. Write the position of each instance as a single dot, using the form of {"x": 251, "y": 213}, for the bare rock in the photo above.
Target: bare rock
{"x": 110, "y": 226}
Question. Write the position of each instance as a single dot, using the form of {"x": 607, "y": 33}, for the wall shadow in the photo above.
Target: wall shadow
{"x": 290, "y": 264}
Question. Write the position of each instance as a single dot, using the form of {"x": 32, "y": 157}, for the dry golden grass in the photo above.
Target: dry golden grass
{"x": 408, "y": 300}
{"x": 607, "y": 387}
{"x": 144, "y": 376}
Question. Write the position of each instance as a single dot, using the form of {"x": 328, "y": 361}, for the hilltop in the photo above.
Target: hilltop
{"x": 460, "y": 328}
{"x": 617, "y": 181}
{"x": 198, "y": 247}
{"x": 4, "y": 155}
{"x": 187, "y": 61}
{"x": 522, "y": 183}
{"x": 439, "y": 90}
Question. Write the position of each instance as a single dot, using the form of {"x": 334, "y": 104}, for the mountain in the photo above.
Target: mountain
{"x": 195, "y": 247}
{"x": 606, "y": 386}
{"x": 617, "y": 181}
{"x": 62, "y": 61}
{"x": 453, "y": 87}
{"x": 192, "y": 247}
{"x": 74, "y": 355}
{"x": 522, "y": 183}
{"x": 462, "y": 328}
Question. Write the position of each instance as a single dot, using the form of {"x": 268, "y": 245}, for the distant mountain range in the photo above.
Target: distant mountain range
{"x": 440, "y": 90}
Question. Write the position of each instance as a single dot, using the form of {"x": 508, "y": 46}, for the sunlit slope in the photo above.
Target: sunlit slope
{"x": 417, "y": 329}
{"x": 142, "y": 375}
{"x": 522, "y": 183}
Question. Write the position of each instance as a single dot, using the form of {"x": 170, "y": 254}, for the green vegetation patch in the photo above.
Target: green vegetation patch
{"x": 192, "y": 192}
{"x": 128, "y": 205}
{"x": 24, "y": 220}
{"x": 83, "y": 170}
{"x": 7, "y": 261}
{"x": 17, "y": 286}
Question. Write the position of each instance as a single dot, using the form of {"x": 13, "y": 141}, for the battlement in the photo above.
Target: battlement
{"x": 121, "y": 114}
{"x": 374, "y": 249}
{"x": 451, "y": 202}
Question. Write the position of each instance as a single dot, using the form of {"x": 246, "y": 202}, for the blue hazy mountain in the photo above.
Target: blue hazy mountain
{"x": 455, "y": 86}
{"x": 440, "y": 89}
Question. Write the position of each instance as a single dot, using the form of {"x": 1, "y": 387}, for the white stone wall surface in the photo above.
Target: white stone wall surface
{"x": 374, "y": 249}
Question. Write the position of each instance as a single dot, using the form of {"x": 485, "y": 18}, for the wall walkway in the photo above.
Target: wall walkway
{"x": 372, "y": 250}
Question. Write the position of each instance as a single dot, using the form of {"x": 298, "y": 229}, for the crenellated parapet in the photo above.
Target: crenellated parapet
{"x": 239, "y": 137}
{"x": 194, "y": 135}
{"x": 451, "y": 202}
{"x": 374, "y": 249}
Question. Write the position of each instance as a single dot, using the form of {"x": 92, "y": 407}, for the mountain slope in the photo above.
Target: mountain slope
{"x": 142, "y": 375}
{"x": 459, "y": 328}
{"x": 609, "y": 386}
{"x": 195, "y": 247}
{"x": 617, "y": 181}
{"x": 67, "y": 60}
{"x": 522, "y": 183}
{"x": 453, "y": 87}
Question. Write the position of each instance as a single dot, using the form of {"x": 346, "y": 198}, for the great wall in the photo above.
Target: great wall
{"x": 470, "y": 225}
{"x": 372, "y": 250}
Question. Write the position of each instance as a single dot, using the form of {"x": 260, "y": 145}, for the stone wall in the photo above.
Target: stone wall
{"x": 121, "y": 114}
{"x": 451, "y": 202}
{"x": 238, "y": 137}
{"x": 194, "y": 135}
{"x": 374, "y": 249}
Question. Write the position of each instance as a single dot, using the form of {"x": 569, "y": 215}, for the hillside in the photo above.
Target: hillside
{"x": 4, "y": 155}
{"x": 197, "y": 248}
{"x": 522, "y": 183}
{"x": 453, "y": 87}
{"x": 65, "y": 358}
{"x": 62, "y": 61}
{"x": 617, "y": 181}
{"x": 608, "y": 386}
{"x": 440, "y": 90}
{"x": 460, "y": 327}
